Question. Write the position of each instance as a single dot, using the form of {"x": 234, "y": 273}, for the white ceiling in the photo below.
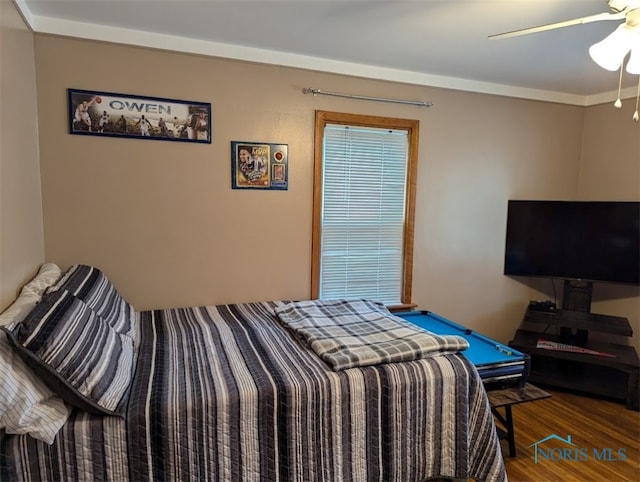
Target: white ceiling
{"x": 440, "y": 43}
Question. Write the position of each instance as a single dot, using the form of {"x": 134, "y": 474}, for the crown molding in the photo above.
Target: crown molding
{"x": 102, "y": 33}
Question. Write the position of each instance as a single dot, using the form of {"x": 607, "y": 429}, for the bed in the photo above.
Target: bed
{"x": 253, "y": 391}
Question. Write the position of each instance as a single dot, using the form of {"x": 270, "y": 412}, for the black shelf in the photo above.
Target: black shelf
{"x": 614, "y": 325}
{"x": 624, "y": 355}
{"x": 615, "y": 377}
{"x": 575, "y": 376}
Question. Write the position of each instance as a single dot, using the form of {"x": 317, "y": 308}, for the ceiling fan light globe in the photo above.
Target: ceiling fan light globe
{"x": 610, "y": 52}
{"x": 633, "y": 66}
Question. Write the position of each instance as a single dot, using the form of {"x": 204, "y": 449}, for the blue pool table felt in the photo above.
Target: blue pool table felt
{"x": 482, "y": 349}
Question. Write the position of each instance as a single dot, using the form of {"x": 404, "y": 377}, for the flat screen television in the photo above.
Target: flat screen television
{"x": 574, "y": 240}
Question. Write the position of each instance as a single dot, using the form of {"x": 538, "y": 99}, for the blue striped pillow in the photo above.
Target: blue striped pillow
{"x": 91, "y": 285}
{"x": 76, "y": 353}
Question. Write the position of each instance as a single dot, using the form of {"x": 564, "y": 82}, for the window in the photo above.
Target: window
{"x": 364, "y": 196}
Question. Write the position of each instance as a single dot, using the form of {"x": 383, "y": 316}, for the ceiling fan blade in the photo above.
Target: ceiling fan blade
{"x": 578, "y": 21}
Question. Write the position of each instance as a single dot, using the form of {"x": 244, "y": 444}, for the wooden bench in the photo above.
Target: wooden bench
{"x": 507, "y": 398}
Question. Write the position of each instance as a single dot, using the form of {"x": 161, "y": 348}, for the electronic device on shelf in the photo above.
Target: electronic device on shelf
{"x": 542, "y": 305}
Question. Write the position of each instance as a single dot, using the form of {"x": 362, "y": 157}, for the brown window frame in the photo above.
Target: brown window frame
{"x": 322, "y": 118}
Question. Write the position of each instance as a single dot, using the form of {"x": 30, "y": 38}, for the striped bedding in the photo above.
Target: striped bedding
{"x": 227, "y": 393}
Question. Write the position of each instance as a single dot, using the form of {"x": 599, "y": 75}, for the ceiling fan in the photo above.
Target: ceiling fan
{"x": 610, "y": 52}
{"x": 620, "y": 9}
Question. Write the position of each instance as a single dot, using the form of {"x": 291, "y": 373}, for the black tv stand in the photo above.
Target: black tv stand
{"x": 576, "y": 296}
{"x": 614, "y": 376}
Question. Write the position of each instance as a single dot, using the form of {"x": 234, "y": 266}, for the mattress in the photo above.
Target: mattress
{"x": 227, "y": 392}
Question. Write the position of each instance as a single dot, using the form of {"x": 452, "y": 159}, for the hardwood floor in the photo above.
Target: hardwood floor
{"x": 606, "y": 438}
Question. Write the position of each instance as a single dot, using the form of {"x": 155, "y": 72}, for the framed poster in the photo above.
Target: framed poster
{"x": 98, "y": 113}
{"x": 259, "y": 165}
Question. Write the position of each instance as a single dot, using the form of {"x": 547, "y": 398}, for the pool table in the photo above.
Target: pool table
{"x": 499, "y": 365}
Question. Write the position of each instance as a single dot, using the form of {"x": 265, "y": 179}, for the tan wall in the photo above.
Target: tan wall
{"x": 21, "y": 232}
{"x": 610, "y": 170}
{"x": 162, "y": 220}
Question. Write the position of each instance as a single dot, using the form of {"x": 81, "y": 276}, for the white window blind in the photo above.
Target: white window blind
{"x": 363, "y": 213}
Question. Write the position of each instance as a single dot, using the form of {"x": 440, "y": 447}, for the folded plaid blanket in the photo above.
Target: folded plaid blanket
{"x": 353, "y": 333}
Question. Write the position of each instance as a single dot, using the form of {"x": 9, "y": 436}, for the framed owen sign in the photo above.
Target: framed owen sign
{"x": 109, "y": 114}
